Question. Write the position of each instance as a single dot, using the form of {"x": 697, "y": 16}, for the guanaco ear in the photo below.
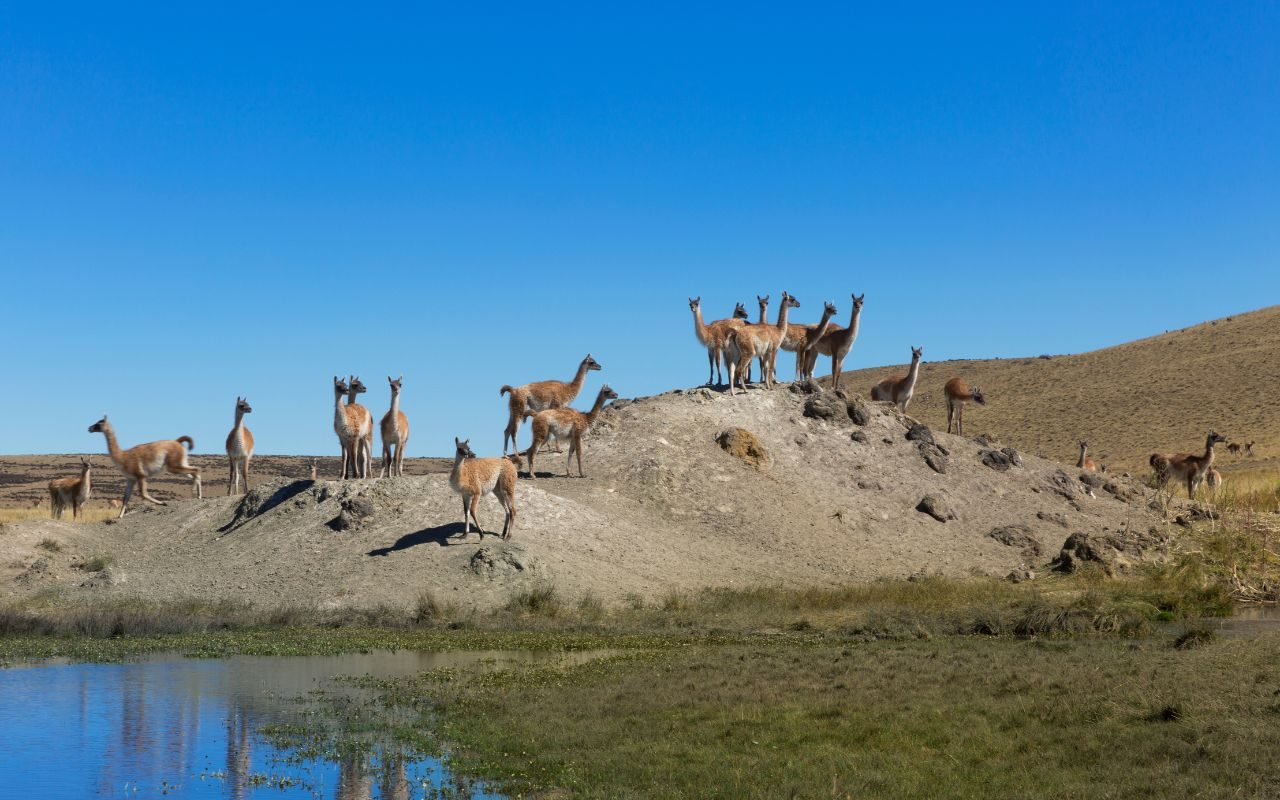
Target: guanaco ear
{"x": 400, "y": 379}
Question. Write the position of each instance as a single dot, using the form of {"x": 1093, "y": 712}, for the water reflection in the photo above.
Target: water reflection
{"x": 190, "y": 728}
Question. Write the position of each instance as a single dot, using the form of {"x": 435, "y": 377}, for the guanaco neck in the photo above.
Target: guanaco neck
{"x": 581, "y": 377}
{"x": 1208, "y": 450}
{"x": 113, "y": 448}
{"x": 782, "y": 318}
{"x": 85, "y": 481}
{"x": 395, "y": 407}
{"x": 595, "y": 409}
{"x": 351, "y": 396}
{"x": 339, "y": 418}
{"x": 851, "y": 332}
{"x": 239, "y": 426}
{"x": 764, "y": 311}
{"x": 1084, "y": 449}
{"x": 823, "y": 325}
{"x": 458, "y": 458}
{"x": 699, "y": 330}
{"x": 913, "y": 373}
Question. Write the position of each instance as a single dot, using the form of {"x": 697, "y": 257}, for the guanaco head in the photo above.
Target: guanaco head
{"x": 395, "y": 384}
{"x": 85, "y": 466}
{"x": 339, "y": 386}
{"x": 463, "y": 448}
{"x": 763, "y": 302}
{"x": 242, "y": 405}
{"x": 978, "y": 396}
{"x": 829, "y": 309}
{"x": 695, "y": 303}
{"x": 740, "y": 312}
{"x": 1215, "y": 438}
{"x": 608, "y": 393}
{"x": 789, "y": 301}
{"x": 1084, "y": 445}
{"x": 100, "y": 426}
{"x": 916, "y": 354}
{"x": 857, "y": 300}
{"x": 591, "y": 363}
{"x": 356, "y": 387}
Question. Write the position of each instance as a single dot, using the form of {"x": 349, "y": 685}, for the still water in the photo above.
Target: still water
{"x": 169, "y": 726}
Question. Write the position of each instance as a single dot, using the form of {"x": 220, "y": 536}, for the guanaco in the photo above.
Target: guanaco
{"x": 540, "y": 395}
{"x": 714, "y": 336}
{"x": 240, "y": 447}
{"x": 760, "y": 342}
{"x": 395, "y": 433}
{"x": 958, "y": 393}
{"x": 1234, "y": 449}
{"x": 810, "y": 335}
{"x": 1248, "y": 449}
{"x": 897, "y": 389}
{"x": 148, "y": 460}
{"x": 314, "y": 471}
{"x": 1213, "y": 479}
{"x": 837, "y": 342}
{"x": 70, "y": 491}
{"x": 474, "y": 478}
{"x": 346, "y": 424}
{"x": 1186, "y": 467}
{"x": 364, "y": 442}
{"x": 1084, "y": 462}
{"x": 566, "y": 423}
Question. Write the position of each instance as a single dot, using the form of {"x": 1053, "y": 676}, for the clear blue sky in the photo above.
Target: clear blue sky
{"x": 250, "y": 198}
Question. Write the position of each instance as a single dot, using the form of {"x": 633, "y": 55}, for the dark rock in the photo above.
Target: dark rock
{"x": 1014, "y": 457}
{"x": 996, "y": 459}
{"x": 935, "y": 507}
{"x": 887, "y": 440}
{"x": 1092, "y": 480}
{"x": 1021, "y": 574}
{"x": 1061, "y": 483}
{"x": 1120, "y": 491}
{"x": 355, "y": 510}
{"x": 1056, "y": 519}
{"x": 806, "y": 387}
{"x": 919, "y": 432}
{"x": 985, "y": 440}
{"x": 742, "y": 443}
{"x": 825, "y": 405}
{"x": 1017, "y": 536}
{"x": 502, "y": 562}
{"x": 933, "y": 456}
{"x": 870, "y": 486}
{"x": 858, "y": 436}
{"x": 857, "y": 409}
{"x": 1114, "y": 551}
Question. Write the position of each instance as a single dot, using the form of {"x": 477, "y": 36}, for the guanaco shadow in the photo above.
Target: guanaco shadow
{"x": 445, "y": 535}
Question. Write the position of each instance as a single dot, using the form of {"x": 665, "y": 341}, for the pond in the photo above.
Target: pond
{"x": 169, "y": 726}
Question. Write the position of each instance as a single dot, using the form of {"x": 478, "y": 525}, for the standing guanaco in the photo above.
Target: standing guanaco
{"x": 837, "y": 342}
{"x": 958, "y": 393}
{"x": 714, "y": 336}
{"x": 760, "y": 342}
{"x": 1213, "y": 479}
{"x": 1248, "y": 449}
{"x": 364, "y": 444}
{"x": 539, "y": 395}
{"x": 566, "y": 423}
{"x": 1186, "y": 467}
{"x": 810, "y": 335}
{"x": 148, "y": 460}
{"x": 70, "y": 491}
{"x": 346, "y": 424}
{"x": 314, "y": 471}
{"x": 474, "y": 478}
{"x": 897, "y": 389}
{"x": 1084, "y": 462}
{"x": 395, "y": 433}
{"x": 240, "y": 447}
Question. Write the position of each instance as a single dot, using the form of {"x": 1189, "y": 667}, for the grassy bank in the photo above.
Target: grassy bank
{"x": 951, "y": 717}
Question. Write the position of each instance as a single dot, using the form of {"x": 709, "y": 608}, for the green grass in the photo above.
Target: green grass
{"x": 801, "y": 717}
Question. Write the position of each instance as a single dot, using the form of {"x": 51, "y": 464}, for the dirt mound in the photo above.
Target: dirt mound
{"x": 684, "y": 490}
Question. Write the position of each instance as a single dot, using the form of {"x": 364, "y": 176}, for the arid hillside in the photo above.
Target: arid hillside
{"x": 1163, "y": 393}
{"x": 684, "y": 490}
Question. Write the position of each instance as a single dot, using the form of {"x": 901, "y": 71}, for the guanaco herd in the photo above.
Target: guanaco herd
{"x": 732, "y": 344}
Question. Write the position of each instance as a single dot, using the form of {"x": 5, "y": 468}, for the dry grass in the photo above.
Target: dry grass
{"x": 1157, "y": 394}
{"x": 90, "y": 514}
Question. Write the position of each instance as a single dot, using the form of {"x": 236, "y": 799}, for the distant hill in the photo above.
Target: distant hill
{"x": 1162, "y": 393}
